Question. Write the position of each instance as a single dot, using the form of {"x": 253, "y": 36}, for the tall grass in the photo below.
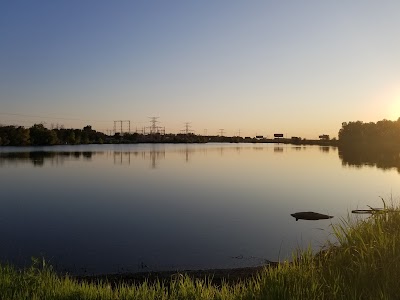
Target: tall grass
{"x": 364, "y": 264}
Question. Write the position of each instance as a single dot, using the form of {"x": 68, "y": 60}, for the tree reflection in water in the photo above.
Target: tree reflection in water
{"x": 370, "y": 156}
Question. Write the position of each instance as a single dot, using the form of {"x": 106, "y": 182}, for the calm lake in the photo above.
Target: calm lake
{"x": 127, "y": 208}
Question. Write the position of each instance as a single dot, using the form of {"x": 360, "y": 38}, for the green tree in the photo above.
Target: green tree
{"x": 14, "y": 136}
{"x": 384, "y": 133}
{"x": 42, "y": 136}
{"x": 71, "y": 137}
{"x": 20, "y": 137}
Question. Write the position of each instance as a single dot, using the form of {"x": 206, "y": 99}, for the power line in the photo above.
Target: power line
{"x": 55, "y": 118}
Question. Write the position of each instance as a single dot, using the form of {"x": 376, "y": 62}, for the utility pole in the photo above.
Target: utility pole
{"x": 121, "y": 122}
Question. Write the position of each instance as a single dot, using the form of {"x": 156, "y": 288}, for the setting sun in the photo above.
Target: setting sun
{"x": 389, "y": 102}
{"x": 394, "y": 106}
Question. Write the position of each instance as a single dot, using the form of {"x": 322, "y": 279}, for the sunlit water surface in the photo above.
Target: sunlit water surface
{"x": 127, "y": 208}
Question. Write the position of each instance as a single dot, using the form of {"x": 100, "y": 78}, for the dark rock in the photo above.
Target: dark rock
{"x": 310, "y": 215}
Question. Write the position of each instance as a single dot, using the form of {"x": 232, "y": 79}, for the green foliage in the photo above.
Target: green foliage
{"x": 364, "y": 264}
{"x": 40, "y": 135}
{"x": 383, "y": 133}
{"x": 374, "y": 144}
{"x": 14, "y": 136}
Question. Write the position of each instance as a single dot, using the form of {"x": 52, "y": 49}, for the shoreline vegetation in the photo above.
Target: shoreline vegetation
{"x": 383, "y": 134}
{"x": 364, "y": 263}
{"x": 38, "y": 135}
{"x": 359, "y": 144}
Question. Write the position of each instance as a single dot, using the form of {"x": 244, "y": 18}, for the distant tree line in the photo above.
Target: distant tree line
{"x": 370, "y": 144}
{"x": 382, "y": 134}
{"x": 38, "y": 135}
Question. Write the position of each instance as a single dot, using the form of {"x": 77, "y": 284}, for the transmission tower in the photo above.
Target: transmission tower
{"x": 187, "y": 129}
{"x": 121, "y": 126}
{"x": 154, "y": 128}
{"x": 221, "y": 132}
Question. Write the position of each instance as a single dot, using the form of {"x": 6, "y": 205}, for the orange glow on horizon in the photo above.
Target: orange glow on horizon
{"x": 393, "y": 98}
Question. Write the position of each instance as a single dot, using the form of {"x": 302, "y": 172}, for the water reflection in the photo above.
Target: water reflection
{"x": 125, "y": 158}
{"x": 122, "y": 158}
{"x": 187, "y": 153}
{"x": 324, "y": 149}
{"x": 39, "y": 158}
{"x": 154, "y": 155}
{"x": 108, "y": 208}
{"x": 358, "y": 157}
{"x": 355, "y": 157}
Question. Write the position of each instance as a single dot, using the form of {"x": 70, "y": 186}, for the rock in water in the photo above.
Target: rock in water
{"x": 310, "y": 215}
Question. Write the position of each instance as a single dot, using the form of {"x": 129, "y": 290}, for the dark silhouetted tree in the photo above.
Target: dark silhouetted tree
{"x": 42, "y": 136}
{"x": 383, "y": 133}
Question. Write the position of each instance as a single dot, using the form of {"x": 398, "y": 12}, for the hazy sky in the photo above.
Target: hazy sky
{"x": 294, "y": 67}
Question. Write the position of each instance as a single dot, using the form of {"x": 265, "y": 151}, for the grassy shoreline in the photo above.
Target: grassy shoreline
{"x": 216, "y": 277}
{"x": 364, "y": 264}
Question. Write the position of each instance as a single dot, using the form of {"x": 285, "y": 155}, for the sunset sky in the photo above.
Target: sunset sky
{"x": 262, "y": 67}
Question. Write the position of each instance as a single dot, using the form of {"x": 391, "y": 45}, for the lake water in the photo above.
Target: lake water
{"x": 127, "y": 208}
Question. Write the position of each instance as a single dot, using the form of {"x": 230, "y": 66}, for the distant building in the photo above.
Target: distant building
{"x": 278, "y": 135}
{"x": 259, "y": 136}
